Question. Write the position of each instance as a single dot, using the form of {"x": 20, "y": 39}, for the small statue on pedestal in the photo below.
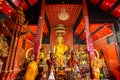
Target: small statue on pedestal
{"x": 3, "y": 46}
{"x": 42, "y": 56}
{"x": 83, "y": 56}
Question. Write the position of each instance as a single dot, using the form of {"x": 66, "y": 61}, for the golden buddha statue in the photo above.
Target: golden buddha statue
{"x": 60, "y": 48}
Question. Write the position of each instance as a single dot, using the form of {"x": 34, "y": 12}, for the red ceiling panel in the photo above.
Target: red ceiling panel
{"x": 53, "y": 10}
{"x": 80, "y": 27}
{"x": 116, "y": 11}
{"x": 33, "y": 28}
{"x": 95, "y": 1}
{"x": 32, "y": 2}
{"x": 94, "y": 37}
{"x": 107, "y": 4}
{"x": 16, "y": 2}
{"x": 24, "y": 6}
{"x": 83, "y": 36}
{"x": 5, "y": 7}
{"x": 45, "y": 29}
{"x": 101, "y": 33}
{"x": 93, "y": 27}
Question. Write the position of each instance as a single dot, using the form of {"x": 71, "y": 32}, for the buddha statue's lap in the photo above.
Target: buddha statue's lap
{"x": 59, "y": 51}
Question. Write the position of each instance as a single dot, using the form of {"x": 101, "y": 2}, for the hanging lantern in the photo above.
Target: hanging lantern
{"x": 63, "y": 14}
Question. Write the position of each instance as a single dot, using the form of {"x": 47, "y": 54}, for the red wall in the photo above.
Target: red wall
{"x": 101, "y": 44}
{"x": 110, "y": 55}
{"x": 113, "y": 60}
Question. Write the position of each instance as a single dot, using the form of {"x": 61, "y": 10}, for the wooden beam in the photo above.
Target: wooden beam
{"x": 78, "y": 21}
{"x": 98, "y": 29}
{"x": 100, "y": 2}
{"x": 47, "y": 22}
{"x": 27, "y": 2}
{"x": 114, "y": 6}
{"x": 81, "y": 32}
{"x": 11, "y": 3}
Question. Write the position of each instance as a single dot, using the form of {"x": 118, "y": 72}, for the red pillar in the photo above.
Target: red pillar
{"x": 88, "y": 36}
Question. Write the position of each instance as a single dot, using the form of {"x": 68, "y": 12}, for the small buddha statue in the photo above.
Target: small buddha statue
{"x": 96, "y": 68}
{"x": 83, "y": 56}
{"x": 42, "y": 56}
{"x": 96, "y": 65}
{"x": 59, "y": 49}
{"x": 3, "y": 46}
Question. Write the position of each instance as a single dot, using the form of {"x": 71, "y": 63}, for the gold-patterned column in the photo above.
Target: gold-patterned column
{"x": 39, "y": 34}
{"x": 88, "y": 36}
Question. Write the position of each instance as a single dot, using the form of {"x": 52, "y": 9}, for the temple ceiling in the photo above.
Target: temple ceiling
{"x": 52, "y": 12}
{"x": 111, "y": 9}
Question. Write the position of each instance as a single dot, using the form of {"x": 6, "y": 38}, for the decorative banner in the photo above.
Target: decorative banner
{"x": 89, "y": 39}
{"x": 37, "y": 38}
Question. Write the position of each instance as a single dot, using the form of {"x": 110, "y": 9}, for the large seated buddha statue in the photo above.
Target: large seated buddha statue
{"x": 60, "y": 48}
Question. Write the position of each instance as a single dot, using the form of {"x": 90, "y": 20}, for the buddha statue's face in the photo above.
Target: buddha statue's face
{"x": 59, "y": 39}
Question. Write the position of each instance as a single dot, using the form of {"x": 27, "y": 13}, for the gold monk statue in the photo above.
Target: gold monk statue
{"x": 83, "y": 56}
{"x": 72, "y": 62}
{"x": 59, "y": 49}
{"x": 96, "y": 65}
{"x": 42, "y": 56}
{"x": 32, "y": 71}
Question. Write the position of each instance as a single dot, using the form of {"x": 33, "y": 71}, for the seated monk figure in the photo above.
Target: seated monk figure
{"x": 59, "y": 49}
{"x": 32, "y": 71}
{"x": 72, "y": 62}
{"x": 51, "y": 63}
